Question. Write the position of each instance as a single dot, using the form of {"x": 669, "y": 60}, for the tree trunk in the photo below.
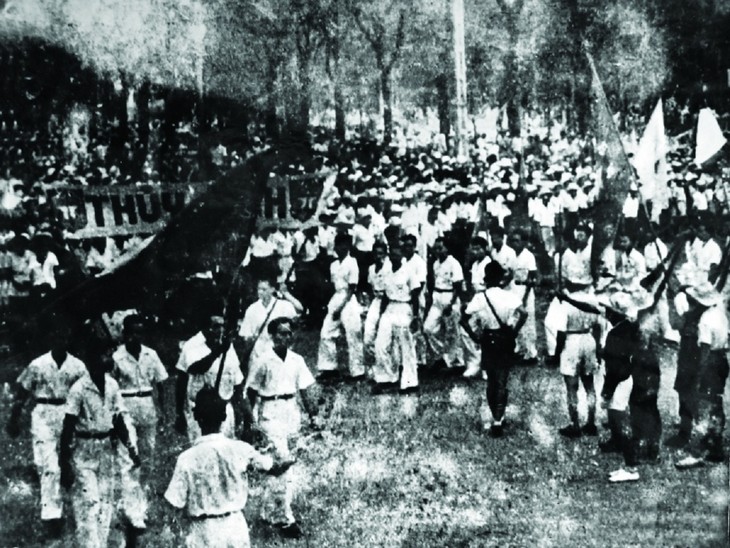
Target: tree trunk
{"x": 442, "y": 90}
{"x": 305, "y": 98}
{"x": 385, "y": 89}
{"x": 340, "y": 128}
{"x": 271, "y": 121}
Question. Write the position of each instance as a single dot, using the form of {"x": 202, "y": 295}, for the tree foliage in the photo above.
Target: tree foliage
{"x": 291, "y": 59}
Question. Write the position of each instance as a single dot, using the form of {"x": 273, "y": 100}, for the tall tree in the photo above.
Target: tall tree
{"x": 383, "y": 24}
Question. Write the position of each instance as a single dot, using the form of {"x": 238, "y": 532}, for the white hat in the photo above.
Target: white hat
{"x": 705, "y": 294}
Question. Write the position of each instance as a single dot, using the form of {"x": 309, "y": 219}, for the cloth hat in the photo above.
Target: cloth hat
{"x": 705, "y": 294}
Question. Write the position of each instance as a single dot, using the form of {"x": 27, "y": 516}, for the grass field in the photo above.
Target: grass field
{"x": 420, "y": 471}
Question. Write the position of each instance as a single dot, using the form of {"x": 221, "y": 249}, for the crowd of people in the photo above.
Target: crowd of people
{"x": 421, "y": 264}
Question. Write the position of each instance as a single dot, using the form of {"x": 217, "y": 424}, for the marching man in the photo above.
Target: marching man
{"x": 273, "y": 386}
{"x": 200, "y": 365}
{"x": 377, "y": 273}
{"x": 395, "y": 347}
{"x": 441, "y": 324}
{"x": 94, "y": 421}
{"x": 210, "y": 480}
{"x": 343, "y": 313}
{"x": 48, "y": 380}
{"x": 138, "y": 371}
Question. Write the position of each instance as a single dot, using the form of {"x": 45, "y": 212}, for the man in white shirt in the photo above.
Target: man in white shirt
{"x": 543, "y": 213}
{"x": 276, "y": 382}
{"x": 47, "y": 379}
{"x": 501, "y": 252}
{"x": 419, "y": 266}
{"x": 471, "y": 350}
{"x": 200, "y": 365}
{"x": 259, "y": 314}
{"x": 138, "y": 371}
{"x": 494, "y": 317}
{"x": 630, "y": 209}
{"x": 524, "y": 278}
{"x": 210, "y": 480}
{"x": 703, "y": 256}
{"x": 622, "y": 266}
{"x": 343, "y": 314}
{"x": 363, "y": 240}
{"x": 395, "y": 347}
{"x": 441, "y": 324}
{"x": 706, "y": 385}
{"x": 377, "y": 274}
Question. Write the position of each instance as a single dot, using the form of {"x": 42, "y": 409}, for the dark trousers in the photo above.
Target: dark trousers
{"x": 710, "y": 408}
{"x": 498, "y": 357}
{"x": 646, "y": 430}
{"x": 497, "y": 381}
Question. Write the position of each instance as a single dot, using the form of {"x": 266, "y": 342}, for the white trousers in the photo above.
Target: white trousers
{"x": 442, "y": 332}
{"x": 526, "y": 344}
{"x": 224, "y": 532}
{"x": 46, "y": 424}
{"x": 395, "y": 347}
{"x": 142, "y": 426}
{"x": 350, "y": 322}
{"x": 280, "y": 421}
{"x": 552, "y": 321}
{"x": 93, "y": 491}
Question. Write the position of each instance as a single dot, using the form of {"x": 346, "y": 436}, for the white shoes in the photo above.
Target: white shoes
{"x": 621, "y": 475}
{"x": 689, "y": 462}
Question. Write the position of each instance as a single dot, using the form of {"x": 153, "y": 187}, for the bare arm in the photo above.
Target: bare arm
{"x": 21, "y": 397}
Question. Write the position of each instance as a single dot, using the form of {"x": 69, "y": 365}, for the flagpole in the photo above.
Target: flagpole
{"x": 634, "y": 180}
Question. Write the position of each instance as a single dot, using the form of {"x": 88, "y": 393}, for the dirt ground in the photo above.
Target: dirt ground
{"x": 420, "y": 471}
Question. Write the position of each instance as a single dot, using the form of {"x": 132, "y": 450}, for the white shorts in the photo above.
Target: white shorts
{"x": 620, "y": 399}
{"x": 578, "y": 358}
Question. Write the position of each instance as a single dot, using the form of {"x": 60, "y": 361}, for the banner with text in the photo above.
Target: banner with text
{"x": 118, "y": 210}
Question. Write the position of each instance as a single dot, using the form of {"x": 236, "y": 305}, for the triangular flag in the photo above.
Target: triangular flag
{"x": 709, "y": 136}
{"x": 651, "y": 163}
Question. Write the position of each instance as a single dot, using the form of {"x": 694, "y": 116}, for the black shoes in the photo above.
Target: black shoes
{"x": 496, "y": 430}
{"x": 53, "y": 527}
{"x": 590, "y": 429}
{"x": 609, "y": 446}
{"x": 383, "y": 388}
{"x": 291, "y": 530}
{"x": 571, "y": 431}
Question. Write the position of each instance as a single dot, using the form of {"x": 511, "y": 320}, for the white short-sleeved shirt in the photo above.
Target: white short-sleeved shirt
{"x": 703, "y": 254}
{"x": 504, "y": 302}
{"x": 400, "y": 283}
{"x": 211, "y": 478}
{"x": 257, "y": 313}
{"x": 344, "y": 273}
{"x": 506, "y": 257}
{"x": 544, "y": 214}
{"x": 419, "y": 267}
{"x": 446, "y": 273}
{"x": 260, "y": 247}
{"x": 363, "y": 238}
{"x": 195, "y": 349}
{"x": 44, "y": 379}
{"x": 576, "y": 266}
{"x": 273, "y": 376}
{"x": 44, "y": 273}
{"x": 95, "y": 413}
{"x": 575, "y": 319}
{"x": 524, "y": 264}
{"x": 713, "y": 328}
{"x": 631, "y": 207}
{"x": 654, "y": 253}
{"x": 134, "y": 375}
{"x": 376, "y": 278}
{"x": 477, "y": 273}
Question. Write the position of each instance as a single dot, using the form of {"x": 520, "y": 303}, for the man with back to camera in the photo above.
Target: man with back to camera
{"x": 494, "y": 317}
{"x": 210, "y": 478}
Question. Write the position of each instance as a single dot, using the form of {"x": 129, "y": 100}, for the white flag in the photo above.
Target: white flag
{"x": 650, "y": 162}
{"x": 709, "y": 136}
